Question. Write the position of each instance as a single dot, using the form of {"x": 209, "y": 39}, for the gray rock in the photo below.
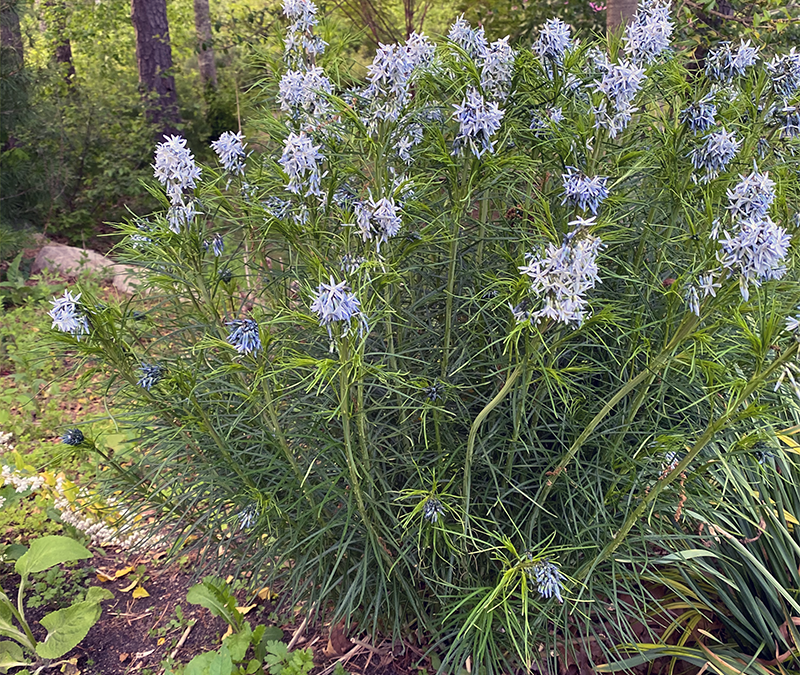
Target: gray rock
{"x": 72, "y": 260}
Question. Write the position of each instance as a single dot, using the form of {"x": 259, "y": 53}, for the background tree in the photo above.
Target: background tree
{"x": 205, "y": 48}
{"x": 619, "y": 12}
{"x": 55, "y": 19}
{"x": 154, "y": 61}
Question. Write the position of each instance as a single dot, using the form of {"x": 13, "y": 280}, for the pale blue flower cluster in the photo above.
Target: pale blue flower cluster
{"x": 562, "y": 274}
{"x": 349, "y": 263}
{"x": 497, "y": 67}
{"x": 278, "y": 208}
{"x": 334, "y": 302}
{"x": 785, "y": 73}
{"x": 758, "y": 246}
{"x": 244, "y": 336}
{"x": 248, "y": 516}
{"x": 553, "y": 42}
{"x": 150, "y": 375}
{"x": 548, "y": 579}
{"x": 377, "y": 220}
{"x": 471, "y": 40}
{"x": 706, "y": 285}
{"x": 177, "y": 171}
{"x": 756, "y": 251}
{"x": 699, "y": 116}
{"x": 793, "y": 323}
{"x": 790, "y": 121}
{"x": 405, "y": 139}
{"x": 72, "y": 437}
{"x": 719, "y": 148}
{"x": 478, "y": 121}
{"x": 67, "y": 315}
{"x": 390, "y": 75}
{"x": 303, "y": 90}
{"x": 620, "y": 84}
{"x": 723, "y": 63}
{"x": 434, "y": 392}
{"x": 217, "y": 244}
{"x": 300, "y": 42}
{"x": 432, "y": 510}
{"x": 752, "y": 196}
{"x": 230, "y": 150}
{"x": 648, "y": 35}
{"x": 543, "y": 121}
{"x": 584, "y": 192}
{"x": 301, "y": 161}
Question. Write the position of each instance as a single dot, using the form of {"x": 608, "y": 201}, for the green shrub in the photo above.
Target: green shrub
{"x": 438, "y": 358}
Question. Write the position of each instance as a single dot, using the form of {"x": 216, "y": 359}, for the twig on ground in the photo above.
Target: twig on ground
{"x": 181, "y": 641}
{"x": 297, "y": 634}
{"x": 342, "y": 659}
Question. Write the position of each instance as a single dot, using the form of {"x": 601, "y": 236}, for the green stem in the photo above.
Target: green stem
{"x": 483, "y": 217}
{"x": 663, "y": 483}
{"x": 344, "y": 404}
{"x": 473, "y": 434}
{"x": 448, "y": 311}
{"x": 19, "y": 614}
{"x": 658, "y": 362}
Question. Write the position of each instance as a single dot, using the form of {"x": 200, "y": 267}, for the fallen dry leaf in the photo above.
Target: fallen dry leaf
{"x": 246, "y": 610}
{"x": 161, "y": 641}
{"x": 338, "y": 643}
{"x": 266, "y": 593}
{"x": 130, "y": 586}
{"x": 124, "y": 571}
{"x": 140, "y": 592}
{"x": 103, "y": 577}
{"x": 123, "y": 656}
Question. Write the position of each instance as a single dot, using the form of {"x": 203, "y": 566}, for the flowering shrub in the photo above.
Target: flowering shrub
{"x": 465, "y": 328}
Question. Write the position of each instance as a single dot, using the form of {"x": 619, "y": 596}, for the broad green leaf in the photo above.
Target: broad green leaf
{"x": 211, "y": 663}
{"x": 238, "y": 643}
{"x": 67, "y": 627}
{"x": 11, "y": 656}
{"x": 49, "y": 551}
{"x": 98, "y": 594}
{"x": 272, "y": 633}
{"x": 217, "y": 599}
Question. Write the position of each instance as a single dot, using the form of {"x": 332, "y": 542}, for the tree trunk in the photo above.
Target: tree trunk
{"x": 154, "y": 59}
{"x": 619, "y": 12}
{"x": 13, "y": 53}
{"x": 13, "y": 92}
{"x": 55, "y": 19}
{"x": 205, "y": 48}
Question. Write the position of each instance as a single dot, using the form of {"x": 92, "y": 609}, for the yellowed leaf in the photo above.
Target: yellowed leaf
{"x": 228, "y": 632}
{"x": 246, "y": 610}
{"x": 140, "y": 592}
{"x": 123, "y": 656}
{"x": 161, "y": 641}
{"x": 130, "y": 586}
{"x": 124, "y": 571}
{"x": 103, "y": 577}
{"x": 266, "y": 594}
{"x": 229, "y": 579}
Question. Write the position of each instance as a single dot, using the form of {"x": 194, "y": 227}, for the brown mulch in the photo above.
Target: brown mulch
{"x": 137, "y": 635}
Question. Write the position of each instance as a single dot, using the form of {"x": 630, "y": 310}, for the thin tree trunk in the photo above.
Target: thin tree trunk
{"x": 205, "y": 48}
{"x": 10, "y": 38}
{"x": 619, "y": 12}
{"x": 154, "y": 59}
{"x": 55, "y": 18}
{"x": 13, "y": 99}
